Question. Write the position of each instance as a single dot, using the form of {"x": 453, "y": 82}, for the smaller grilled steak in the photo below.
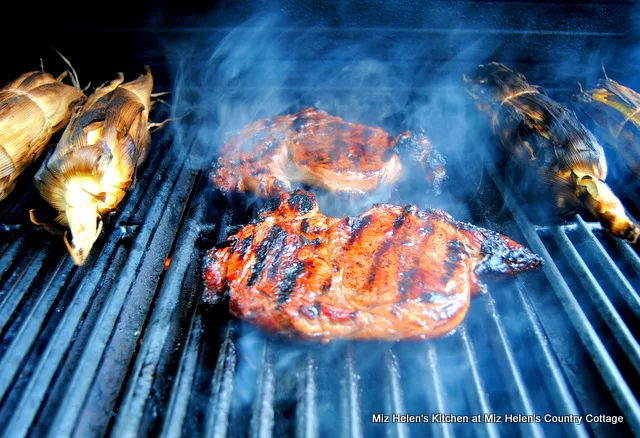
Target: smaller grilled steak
{"x": 268, "y": 156}
{"x": 390, "y": 273}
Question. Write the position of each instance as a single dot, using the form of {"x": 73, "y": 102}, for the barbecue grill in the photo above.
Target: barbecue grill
{"x": 121, "y": 346}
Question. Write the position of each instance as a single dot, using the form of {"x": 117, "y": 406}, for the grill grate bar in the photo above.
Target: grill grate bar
{"x": 351, "y": 416}
{"x": 222, "y": 385}
{"x": 602, "y": 302}
{"x": 177, "y": 411}
{"x": 149, "y": 249}
{"x": 394, "y": 394}
{"x": 627, "y": 291}
{"x": 263, "y": 416}
{"x": 13, "y": 357}
{"x": 307, "y": 409}
{"x": 437, "y": 385}
{"x": 56, "y": 348}
{"x": 11, "y": 254}
{"x": 630, "y": 256}
{"x": 480, "y": 392}
{"x": 611, "y": 375}
{"x": 156, "y": 335}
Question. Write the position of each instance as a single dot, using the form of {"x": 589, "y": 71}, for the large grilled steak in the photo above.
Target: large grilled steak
{"x": 269, "y": 156}
{"x": 389, "y": 273}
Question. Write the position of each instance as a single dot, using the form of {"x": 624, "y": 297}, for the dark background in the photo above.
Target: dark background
{"x": 101, "y": 39}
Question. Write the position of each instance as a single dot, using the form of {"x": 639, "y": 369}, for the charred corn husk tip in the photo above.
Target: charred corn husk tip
{"x": 32, "y": 109}
{"x": 598, "y": 198}
{"x": 94, "y": 164}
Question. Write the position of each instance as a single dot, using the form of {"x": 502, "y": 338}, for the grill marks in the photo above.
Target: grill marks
{"x": 454, "y": 251}
{"x": 357, "y": 225}
{"x": 289, "y": 278}
{"x": 274, "y": 241}
{"x": 390, "y": 242}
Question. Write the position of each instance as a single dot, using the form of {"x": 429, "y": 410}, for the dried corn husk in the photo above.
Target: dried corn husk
{"x": 615, "y": 112}
{"x": 95, "y": 162}
{"x": 550, "y": 150}
{"x": 32, "y": 109}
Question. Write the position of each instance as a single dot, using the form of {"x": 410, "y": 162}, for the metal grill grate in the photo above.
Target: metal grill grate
{"x": 121, "y": 333}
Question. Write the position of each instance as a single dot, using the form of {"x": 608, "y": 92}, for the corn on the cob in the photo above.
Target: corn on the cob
{"x": 32, "y": 109}
{"x": 548, "y": 145}
{"x": 615, "y": 111}
{"x": 94, "y": 163}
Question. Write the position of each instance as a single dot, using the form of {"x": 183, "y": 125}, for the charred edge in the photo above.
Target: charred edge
{"x": 454, "y": 248}
{"x": 299, "y": 123}
{"x": 357, "y": 225}
{"x": 304, "y": 226}
{"x": 301, "y": 201}
{"x": 500, "y": 259}
{"x": 311, "y": 312}
{"x": 245, "y": 246}
{"x": 406, "y": 212}
{"x": 408, "y": 147}
{"x": 289, "y": 279}
{"x": 269, "y": 206}
{"x": 275, "y": 239}
{"x": 226, "y": 243}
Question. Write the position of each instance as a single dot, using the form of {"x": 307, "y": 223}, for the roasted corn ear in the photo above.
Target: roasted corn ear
{"x": 549, "y": 150}
{"x": 615, "y": 112}
{"x": 94, "y": 164}
{"x": 32, "y": 109}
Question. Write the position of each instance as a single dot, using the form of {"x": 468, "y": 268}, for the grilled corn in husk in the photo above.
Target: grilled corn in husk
{"x": 549, "y": 150}
{"x": 95, "y": 162}
{"x": 32, "y": 109}
{"x": 615, "y": 112}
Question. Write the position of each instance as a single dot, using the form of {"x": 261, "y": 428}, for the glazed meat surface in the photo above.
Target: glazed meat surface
{"x": 392, "y": 272}
{"x": 269, "y": 156}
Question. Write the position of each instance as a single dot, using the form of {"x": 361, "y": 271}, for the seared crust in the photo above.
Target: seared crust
{"x": 390, "y": 273}
{"x": 269, "y": 156}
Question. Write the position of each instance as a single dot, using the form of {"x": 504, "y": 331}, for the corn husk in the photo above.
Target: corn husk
{"x": 94, "y": 164}
{"x": 552, "y": 153}
{"x": 615, "y": 112}
{"x": 32, "y": 109}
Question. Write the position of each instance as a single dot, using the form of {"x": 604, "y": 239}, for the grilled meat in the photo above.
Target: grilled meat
{"x": 550, "y": 150}
{"x": 615, "y": 112}
{"x": 390, "y": 273}
{"x": 94, "y": 164}
{"x": 268, "y": 156}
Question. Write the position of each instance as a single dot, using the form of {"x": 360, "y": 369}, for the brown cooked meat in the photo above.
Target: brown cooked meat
{"x": 269, "y": 156}
{"x": 390, "y": 273}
